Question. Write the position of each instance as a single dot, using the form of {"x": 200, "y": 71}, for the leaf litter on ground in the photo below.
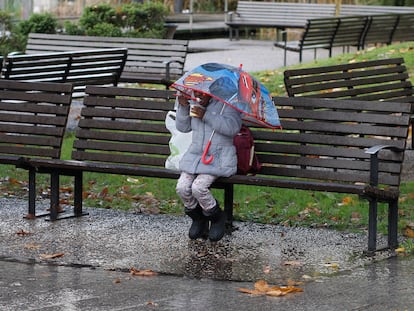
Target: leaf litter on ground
{"x": 261, "y": 287}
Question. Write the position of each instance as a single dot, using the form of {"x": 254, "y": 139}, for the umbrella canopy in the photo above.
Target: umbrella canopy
{"x": 234, "y": 87}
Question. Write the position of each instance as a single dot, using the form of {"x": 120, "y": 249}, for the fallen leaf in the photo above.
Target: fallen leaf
{"x": 261, "y": 287}
{"x": 117, "y": 281}
{"x": 275, "y": 293}
{"x": 104, "y": 192}
{"x": 146, "y": 272}
{"x": 408, "y": 232}
{"x": 51, "y": 256}
{"x": 152, "y": 303}
{"x": 21, "y": 232}
{"x": 400, "y": 250}
{"x": 250, "y": 291}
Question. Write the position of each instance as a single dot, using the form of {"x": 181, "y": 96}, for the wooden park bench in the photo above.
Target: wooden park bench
{"x": 155, "y": 61}
{"x": 383, "y": 79}
{"x": 81, "y": 67}
{"x": 279, "y": 15}
{"x": 341, "y": 146}
{"x": 33, "y": 118}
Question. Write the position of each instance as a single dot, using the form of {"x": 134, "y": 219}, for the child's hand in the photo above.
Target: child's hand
{"x": 182, "y": 100}
{"x": 197, "y": 111}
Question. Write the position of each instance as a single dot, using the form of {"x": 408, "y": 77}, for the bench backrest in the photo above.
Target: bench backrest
{"x": 124, "y": 126}
{"x": 405, "y": 28}
{"x": 321, "y": 139}
{"x": 385, "y": 79}
{"x": 33, "y": 118}
{"x": 380, "y": 29}
{"x": 274, "y": 12}
{"x": 319, "y": 33}
{"x": 356, "y": 9}
{"x": 95, "y": 67}
{"x": 325, "y": 139}
{"x": 351, "y": 30}
{"x": 146, "y": 56}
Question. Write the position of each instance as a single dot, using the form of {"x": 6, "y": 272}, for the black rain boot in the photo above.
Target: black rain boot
{"x": 218, "y": 223}
{"x": 199, "y": 227}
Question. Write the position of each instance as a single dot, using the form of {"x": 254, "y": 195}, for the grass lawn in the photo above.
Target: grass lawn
{"x": 258, "y": 204}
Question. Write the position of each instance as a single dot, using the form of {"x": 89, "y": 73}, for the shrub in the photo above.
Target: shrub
{"x": 104, "y": 30}
{"x": 10, "y": 40}
{"x": 130, "y": 20}
{"x": 40, "y": 23}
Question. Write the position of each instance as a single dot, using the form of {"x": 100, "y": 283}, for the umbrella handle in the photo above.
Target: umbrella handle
{"x": 204, "y": 156}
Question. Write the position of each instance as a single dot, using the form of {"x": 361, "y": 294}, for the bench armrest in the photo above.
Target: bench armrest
{"x": 231, "y": 14}
{"x": 167, "y": 68}
{"x": 373, "y": 151}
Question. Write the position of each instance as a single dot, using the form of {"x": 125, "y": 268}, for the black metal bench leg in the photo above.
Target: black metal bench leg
{"x": 78, "y": 192}
{"x": 393, "y": 224}
{"x": 372, "y": 225}
{"x": 54, "y": 195}
{"x": 32, "y": 193}
{"x": 228, "y": 206}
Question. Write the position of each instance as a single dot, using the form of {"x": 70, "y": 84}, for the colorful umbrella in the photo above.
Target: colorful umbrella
{"x": 235, "y": 88}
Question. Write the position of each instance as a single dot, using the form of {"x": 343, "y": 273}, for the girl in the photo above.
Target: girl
{"x": 193, "y": 186}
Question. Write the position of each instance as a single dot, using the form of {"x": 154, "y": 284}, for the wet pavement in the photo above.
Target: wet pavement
{"x": 95, "y": 253}
{"x": 385, "y": 286}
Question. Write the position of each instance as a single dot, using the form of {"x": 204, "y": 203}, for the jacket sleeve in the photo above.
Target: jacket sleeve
{"x": 183, "y": 119}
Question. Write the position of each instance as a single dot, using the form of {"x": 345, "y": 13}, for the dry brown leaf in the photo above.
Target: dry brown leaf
{"x": 144, "y": 272}
{"x": 51, "y": 256}
{"x": 117, "y": 281}
{"x": 21, "y": 232}
{"x": 250, "y": 291}
{"x": 104, "y": 192}
{"x": 275, "y": 293}
{"x": 408, "y": 232}
{"x": 14, "y": 181}
{"x": 261, "y": 285}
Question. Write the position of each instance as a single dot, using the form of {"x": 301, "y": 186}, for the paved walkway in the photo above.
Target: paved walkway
{"x": 94, "y": 254}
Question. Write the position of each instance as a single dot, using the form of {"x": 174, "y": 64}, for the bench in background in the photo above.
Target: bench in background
{"x": 279, "y": 15}
{"x": 157, "y": 61}
{"x": 359, "y": 31}
{"x": 95, "y": 67}
{"x": 341, "y": 146}
{"x": 383, "y": 79}
{"x": 33, "y": 118}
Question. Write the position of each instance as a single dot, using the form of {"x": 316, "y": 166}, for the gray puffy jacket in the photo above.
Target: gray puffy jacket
{"x": 226, "y": 123}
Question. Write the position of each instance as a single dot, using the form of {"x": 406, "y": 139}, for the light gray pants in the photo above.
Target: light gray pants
{"x": 195, "y": 189}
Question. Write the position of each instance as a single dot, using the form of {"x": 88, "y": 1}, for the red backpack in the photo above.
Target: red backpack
{"x": 247, "y": 161}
